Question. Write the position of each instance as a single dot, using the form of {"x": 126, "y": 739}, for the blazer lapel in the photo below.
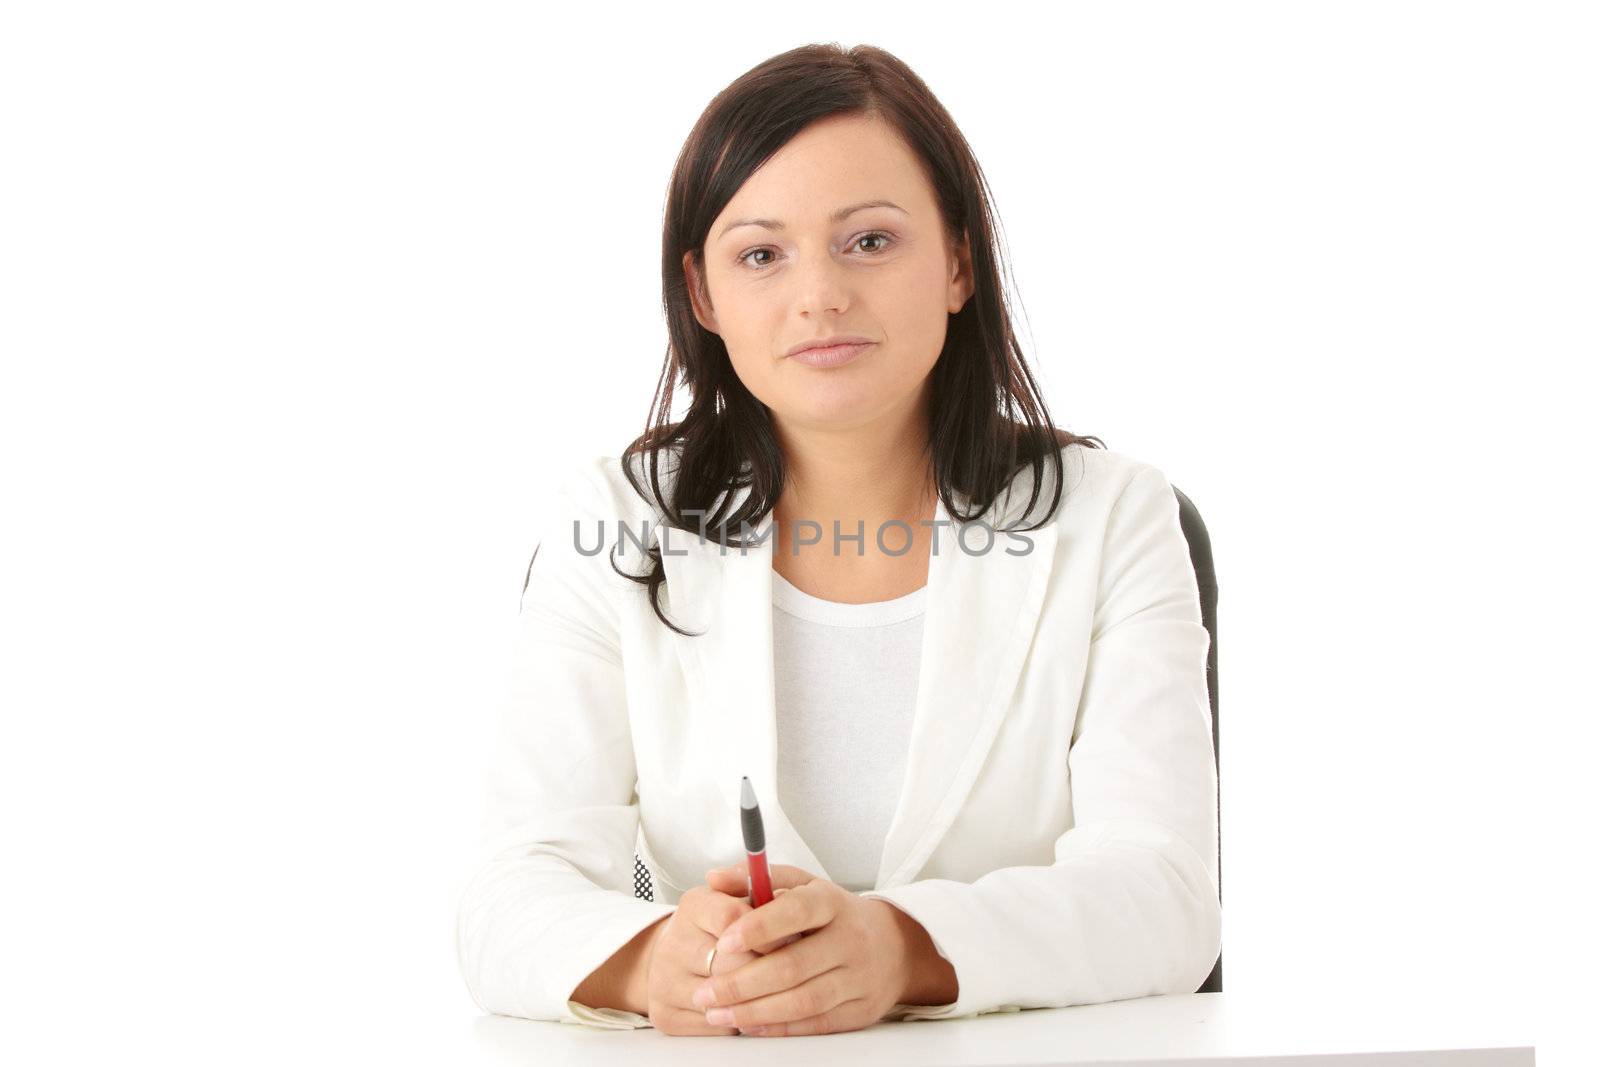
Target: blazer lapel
{"x": 981, "y": 612}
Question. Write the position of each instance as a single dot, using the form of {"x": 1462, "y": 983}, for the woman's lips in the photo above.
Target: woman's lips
{"x": 835, "y": 356}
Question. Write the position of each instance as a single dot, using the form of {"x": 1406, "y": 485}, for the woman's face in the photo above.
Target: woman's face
{"x": 817, "y": 264}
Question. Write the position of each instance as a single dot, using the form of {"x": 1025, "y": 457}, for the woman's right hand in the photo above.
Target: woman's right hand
{"x": 682, "y": 942}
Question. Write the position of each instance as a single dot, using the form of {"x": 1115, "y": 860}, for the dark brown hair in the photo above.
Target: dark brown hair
{"x": 988, "y": 420}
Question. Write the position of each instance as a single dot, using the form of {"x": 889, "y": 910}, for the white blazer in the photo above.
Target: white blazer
{"x": 1056, "y": 833}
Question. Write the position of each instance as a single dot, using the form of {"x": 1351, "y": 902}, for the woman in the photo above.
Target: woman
{"x": 958, "y": 652}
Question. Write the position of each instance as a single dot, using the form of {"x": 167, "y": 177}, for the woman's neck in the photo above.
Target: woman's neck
{"x": 863, "y": 480}
{"x": 870, "y": 475}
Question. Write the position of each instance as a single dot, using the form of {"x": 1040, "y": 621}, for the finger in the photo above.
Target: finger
{"x": 772, "y": 946}
{"x": 762, "y": 976}
{"x": 712, "y": 916}
{"x": 725, "y": 962}
{"x": 727, "y": 882}
{"x": 789, "y": 915}
{"x": 696, "y": 991}
{"x": 690, "y": 1022}
{"x": 734, "y": 884}
{"x": 819, "y": 995}
{"x": 851, "y": 1015}
{"x": 729, "y": 879}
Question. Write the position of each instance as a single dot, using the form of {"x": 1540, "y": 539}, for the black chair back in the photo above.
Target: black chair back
{"x": 1205, "y": 573}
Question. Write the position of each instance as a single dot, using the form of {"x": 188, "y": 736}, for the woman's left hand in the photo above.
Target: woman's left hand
{"x": 828, "y": 960}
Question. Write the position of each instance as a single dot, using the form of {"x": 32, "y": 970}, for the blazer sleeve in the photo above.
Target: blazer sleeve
{"x": 552, "y": 898}
{"x": 1130, "y": 906}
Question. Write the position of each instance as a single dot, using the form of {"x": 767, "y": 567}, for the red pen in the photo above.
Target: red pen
{"x": 758, "y": 878}
{"x": 755, "y": 845}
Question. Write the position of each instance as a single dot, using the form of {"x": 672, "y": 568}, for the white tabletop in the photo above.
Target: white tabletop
{"x": 1195, "y": 1028}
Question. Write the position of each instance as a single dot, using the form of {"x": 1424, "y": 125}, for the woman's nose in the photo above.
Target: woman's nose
{"x": 822, "y": 284}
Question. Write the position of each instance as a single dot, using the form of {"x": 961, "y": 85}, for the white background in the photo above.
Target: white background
{"x": 304, "y": 303}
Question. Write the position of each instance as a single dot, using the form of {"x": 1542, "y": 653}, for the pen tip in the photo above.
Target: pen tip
{"x": 747, "y": 795}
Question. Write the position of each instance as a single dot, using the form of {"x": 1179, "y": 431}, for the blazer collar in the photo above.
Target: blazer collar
{"x": 981, "y": 612}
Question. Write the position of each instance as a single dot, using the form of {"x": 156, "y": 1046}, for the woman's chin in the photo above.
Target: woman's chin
{"x": 841, "y": 412}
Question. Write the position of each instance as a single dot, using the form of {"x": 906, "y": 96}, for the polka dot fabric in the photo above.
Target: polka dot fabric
{"x": 642, "y": 887}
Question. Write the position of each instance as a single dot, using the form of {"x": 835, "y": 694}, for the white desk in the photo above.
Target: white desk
{"x": 1196, "y": 1028}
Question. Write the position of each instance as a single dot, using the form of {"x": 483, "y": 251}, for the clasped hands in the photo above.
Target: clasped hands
{"x": 825, "y": 959}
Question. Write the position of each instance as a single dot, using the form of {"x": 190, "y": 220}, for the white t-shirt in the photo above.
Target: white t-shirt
{"x": 845, "y": 677}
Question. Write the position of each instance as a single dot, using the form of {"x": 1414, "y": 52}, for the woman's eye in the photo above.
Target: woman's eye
{"x": 875, "y": 235}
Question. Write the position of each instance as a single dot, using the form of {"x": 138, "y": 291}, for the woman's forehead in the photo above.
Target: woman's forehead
{"x": 827, "y": 178}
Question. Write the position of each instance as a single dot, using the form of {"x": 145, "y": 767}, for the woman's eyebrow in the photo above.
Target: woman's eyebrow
{"x": 838, "y": 216}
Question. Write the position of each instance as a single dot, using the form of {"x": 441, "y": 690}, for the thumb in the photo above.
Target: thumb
{"x": 782, "y": 875}
{"x": 788, "y": 877}
{"x": 725, "y": 876}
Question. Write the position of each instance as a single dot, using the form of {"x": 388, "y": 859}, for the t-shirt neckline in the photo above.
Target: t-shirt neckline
{"x": 788, "y": 597}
